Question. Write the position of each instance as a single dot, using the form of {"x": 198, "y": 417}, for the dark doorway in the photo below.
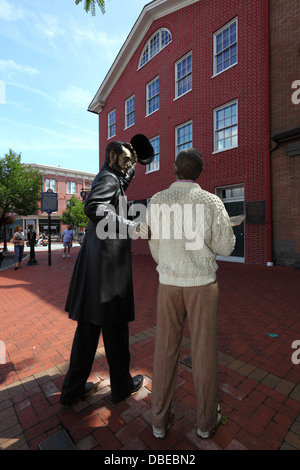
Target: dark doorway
{"x": 237, "y": 208}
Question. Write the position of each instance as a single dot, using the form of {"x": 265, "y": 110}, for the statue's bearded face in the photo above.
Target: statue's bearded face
{"x": 121, "y": 163}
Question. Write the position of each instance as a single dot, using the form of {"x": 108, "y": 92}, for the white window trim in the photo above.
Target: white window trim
{"x": 147, "y": 172}
{"x": 147, "y": 97}
{"x": 215, "y": 127}
{"x": 109, "y": 126}
{"x": 51, "y": 180}
{"x": 70, "y": 184}
{"x": 176, "y": 80}
{"x": 178, "y": 127}
{"x": 219, "y": 189}
{"x": 215, "y": 74}
{"x": 126, "y": 114}
{"x": 147, "y": 45}
{"x": 152, "y": 171}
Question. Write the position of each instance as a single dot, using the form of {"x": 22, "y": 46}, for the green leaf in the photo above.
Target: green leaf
{"x": 20, "y": 186}
{"x": 74, "y": 214}
{"x": 89, "y": 5}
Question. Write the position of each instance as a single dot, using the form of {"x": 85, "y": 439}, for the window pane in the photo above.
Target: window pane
{"x": 112, "y": 123}
{"x": 154, "y": 165}
{"x": 238, "y": 192}
{"x": 234, "y": 141}
{"x": 165, "y": 38}
{"x": 112, "y": 117}
{"x": 226, "y": 47}
{"x": 153, "y": 96}
{"x": 145, "y": 57}
{"x": 220, "y": 114}
{"x": 184, "y": 85}
{"x": 184, "y": 75}
{"x": 153, "y": 104}
{"x": 154, "y": 45}
{"x": 220, "y": 145}
{"x": 130, "y": 111}
{"x": 226, "y": 129}
{"x": 184, "y": 137}
{"x": 130, "y": 119}
{"x": 130, "y": 105}
{"x": 221, "y": 135}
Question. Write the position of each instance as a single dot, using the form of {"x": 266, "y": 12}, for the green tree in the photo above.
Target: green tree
{"x": 89, "y": 5}
{"x": 20, "y": 187}
{"x": 74, "y": 215}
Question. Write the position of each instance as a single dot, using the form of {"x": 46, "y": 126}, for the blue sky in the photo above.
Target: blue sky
{"x": 53, "y": 58}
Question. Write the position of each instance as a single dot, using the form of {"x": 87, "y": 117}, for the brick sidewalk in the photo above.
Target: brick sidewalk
{"x": 259, "y": 384}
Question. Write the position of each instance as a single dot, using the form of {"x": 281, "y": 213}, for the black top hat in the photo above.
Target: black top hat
{"x": 143, "y": 148}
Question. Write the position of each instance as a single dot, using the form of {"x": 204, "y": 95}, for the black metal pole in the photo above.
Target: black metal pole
{"x": 32, "y": 238}
{"x": 49, "y": 239}
{"x": 5, "y": 240}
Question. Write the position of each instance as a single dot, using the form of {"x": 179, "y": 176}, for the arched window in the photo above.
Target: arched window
{"x": 160, "y": 39}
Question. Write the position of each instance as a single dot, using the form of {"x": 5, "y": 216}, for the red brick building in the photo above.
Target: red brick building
{"x": 66, "y": 183}
{"x": 285, "y": 130}
{"x": 195, "y": 73}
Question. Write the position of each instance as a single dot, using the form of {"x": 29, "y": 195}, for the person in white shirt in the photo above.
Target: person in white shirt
{"x": 189, "y": 227}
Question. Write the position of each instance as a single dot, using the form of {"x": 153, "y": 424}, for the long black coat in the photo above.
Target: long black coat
{"x": 101, "y": 288}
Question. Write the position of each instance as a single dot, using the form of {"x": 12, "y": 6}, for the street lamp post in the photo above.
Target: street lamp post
{"x": 84, "y": 194}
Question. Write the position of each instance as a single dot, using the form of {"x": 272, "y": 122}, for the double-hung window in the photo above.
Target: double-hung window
{"x": 152, "y": 96}
{"x": 226, "y": 127}
{"x": 184, "y": 136}
{"x": 112, "y": 123}
{"x": 154, "y": 165}
{"x": 130, "y": 111}
{"x": 71, "y": 187}
{"x": 183, "y": 75}
{"x": 225, "y": 47}
{"x": 50, "y": 184}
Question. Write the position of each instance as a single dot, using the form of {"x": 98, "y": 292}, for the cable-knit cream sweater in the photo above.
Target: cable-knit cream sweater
{"x": 189, "y": 227}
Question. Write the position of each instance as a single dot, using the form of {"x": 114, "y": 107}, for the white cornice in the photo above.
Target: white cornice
{"x": 151, "y": 12}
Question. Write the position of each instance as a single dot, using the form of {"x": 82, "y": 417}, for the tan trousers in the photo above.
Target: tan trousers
{"x": 200, "y": 304}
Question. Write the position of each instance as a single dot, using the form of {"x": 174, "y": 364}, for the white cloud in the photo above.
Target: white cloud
{"x": 22, "y": 86}
{"x": 82, "y": 130}
{"x": 33, "y": 27}
{"x": 10, "y": 12}
{"x": 47, "y": 25}
{"x": 9, "y": 69}
{"x": 33, "y": 137}
{"x": 99, "y": 38}
{"x": 75, "y": 98}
